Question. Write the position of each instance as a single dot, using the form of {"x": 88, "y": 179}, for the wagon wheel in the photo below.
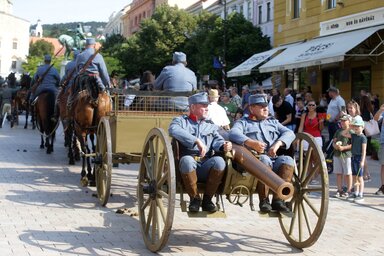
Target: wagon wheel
{"x": 156, "y": 189}
{"x": 309, "y": 203}
{"x": 103, "y": 162}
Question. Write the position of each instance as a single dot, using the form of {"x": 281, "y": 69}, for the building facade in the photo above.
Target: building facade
{"x": 115, "y": 25}
{"x": 143, "y": 9}
{"x": 351, "y": 30}
{"x": 14, "y": 43}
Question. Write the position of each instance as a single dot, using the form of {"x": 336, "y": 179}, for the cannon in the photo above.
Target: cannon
{"x": 134, "y": 133}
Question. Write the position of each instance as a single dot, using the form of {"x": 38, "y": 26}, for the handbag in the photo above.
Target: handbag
{"x": 371, "y": 127}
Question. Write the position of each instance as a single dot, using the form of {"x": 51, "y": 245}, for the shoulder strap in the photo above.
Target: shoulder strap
{"x": 90, "y": 59}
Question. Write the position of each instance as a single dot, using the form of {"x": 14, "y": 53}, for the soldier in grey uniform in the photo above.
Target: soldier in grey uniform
{"x": 177, "y": 77}
{"x": 50, "y": 81}
{"x": 97, "y": 66}
{"x": 265, "y": 136}
{"x": 199, "y": 140}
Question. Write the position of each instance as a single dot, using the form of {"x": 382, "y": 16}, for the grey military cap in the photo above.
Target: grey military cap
{"x": 198, "y": 98}
{"x": 259, "y": 99}
{"x": 179, "y": 57}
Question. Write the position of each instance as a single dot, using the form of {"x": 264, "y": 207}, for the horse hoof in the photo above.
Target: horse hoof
{"x": 25, "y": 127}
{"x": 71, "y": 162}
{"x": 84, "y": 181}
{"x": 41, "y": 146}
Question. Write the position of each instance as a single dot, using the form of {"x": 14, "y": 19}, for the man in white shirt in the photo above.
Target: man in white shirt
{"x": 217, "y": 113}
{"x": 288, "y": 97}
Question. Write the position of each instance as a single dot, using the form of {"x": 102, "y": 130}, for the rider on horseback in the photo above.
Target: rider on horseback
{"x": 91, "y": 64}
{"x": 46, "y": 79}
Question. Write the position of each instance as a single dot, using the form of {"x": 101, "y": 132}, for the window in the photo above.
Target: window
{"x": 296, "y": 9}
{"x": 14, "y": 45}
{"x": 269, "y": 11}
{"x": 13, "y": 64}
{"x": 249, "y": 8}
{"x": 331, "y": 4}
{"x": 260, "y": 14}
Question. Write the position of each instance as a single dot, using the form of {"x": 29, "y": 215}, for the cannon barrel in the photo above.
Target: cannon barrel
{"x": 242, "y": 156}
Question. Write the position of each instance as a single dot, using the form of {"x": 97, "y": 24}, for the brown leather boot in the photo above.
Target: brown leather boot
{"x": 190, "y": 185}
{"x": 213, "y": 182}
{"x": 264, "y": 205}
{"x": 285, "y": 172}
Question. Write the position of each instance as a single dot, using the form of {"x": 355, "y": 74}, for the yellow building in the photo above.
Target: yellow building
{"x": 336, "y": 42}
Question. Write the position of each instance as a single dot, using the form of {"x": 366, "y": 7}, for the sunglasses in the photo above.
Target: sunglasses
{"x": 311, "y": 105}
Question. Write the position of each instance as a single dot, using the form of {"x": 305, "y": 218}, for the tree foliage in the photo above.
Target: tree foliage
{"x": 35, "y": 58}
{"x": 201, "y": 37}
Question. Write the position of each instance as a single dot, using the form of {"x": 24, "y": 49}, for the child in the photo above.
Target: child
{"x": 342, "y": 157}
{"x": 359, "y": 147}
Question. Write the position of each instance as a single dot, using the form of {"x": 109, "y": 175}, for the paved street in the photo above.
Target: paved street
{"x": 45, "y": 211}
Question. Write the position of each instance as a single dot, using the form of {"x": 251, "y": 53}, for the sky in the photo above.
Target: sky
{"x": 55, "y": 11}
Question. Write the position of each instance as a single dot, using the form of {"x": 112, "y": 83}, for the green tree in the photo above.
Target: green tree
{"x": 35, "y": 58}
{"x": 165, "y": 32}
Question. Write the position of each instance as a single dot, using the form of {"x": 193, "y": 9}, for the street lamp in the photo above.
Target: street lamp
{"x": 224, "y": 64}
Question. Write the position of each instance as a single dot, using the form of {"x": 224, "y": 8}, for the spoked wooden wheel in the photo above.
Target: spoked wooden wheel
{"x": 103, "y": 161}
{"x": 309, "y": 203}
{"x": 156, "y": 189}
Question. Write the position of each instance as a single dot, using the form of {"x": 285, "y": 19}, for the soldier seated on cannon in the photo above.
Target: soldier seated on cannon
{"x": 199, "y": 140}
{"x": 265, "y": 135}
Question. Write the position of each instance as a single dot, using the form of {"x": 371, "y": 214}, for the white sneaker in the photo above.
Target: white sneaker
{"x": 351, "y": 197}
{"x": 359, "y": 199}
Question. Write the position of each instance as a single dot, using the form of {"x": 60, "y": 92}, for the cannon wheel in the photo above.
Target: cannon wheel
{"x": 103, "y": 166}
{"x": 156, "y": 189}
{"x": 309, "y": 203}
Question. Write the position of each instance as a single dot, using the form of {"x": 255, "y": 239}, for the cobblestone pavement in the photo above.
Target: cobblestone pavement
{"x": 45, "y": 211}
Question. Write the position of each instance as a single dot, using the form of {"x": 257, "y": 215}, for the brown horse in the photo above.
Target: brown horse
{"x": 44, "y": 108}
{"x": 86, "y": 116}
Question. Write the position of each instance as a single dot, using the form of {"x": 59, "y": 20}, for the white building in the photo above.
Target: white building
{"x": 115, "y": 25}
{"x": 14, "y": 43}
{"x": 259, "y": 12}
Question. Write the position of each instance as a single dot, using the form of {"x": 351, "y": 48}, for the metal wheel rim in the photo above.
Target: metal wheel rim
{"x": 104, "y": 170}
{"x": 156, "y": 208}
{"x": 309, "y": 202}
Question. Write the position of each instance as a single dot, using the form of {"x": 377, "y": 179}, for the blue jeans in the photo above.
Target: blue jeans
{"x": 356, "y": 169}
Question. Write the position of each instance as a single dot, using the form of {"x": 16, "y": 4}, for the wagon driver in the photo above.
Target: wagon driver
{"x": 265, "y": 135}
{"x": 199, "y": 140}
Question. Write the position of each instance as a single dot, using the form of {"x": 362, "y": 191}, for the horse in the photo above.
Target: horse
{"x": 88, "y": 106}
{"x": 44, "y": 108}
{"x": 22, "y": 99}
{"x": 11, "y": 78}
{"x": 70, "y": 141}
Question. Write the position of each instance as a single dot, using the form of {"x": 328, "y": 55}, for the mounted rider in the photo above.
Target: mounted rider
{"x": 96, "y": 66}
{"x": 46, "y": 79}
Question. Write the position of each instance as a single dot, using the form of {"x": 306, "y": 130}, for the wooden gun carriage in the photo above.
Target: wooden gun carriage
{"x": 135, "y": 133}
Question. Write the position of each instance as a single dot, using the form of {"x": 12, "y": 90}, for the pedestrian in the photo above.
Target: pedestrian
{"x": 288, "y": 96}
{"x": 284, "y": 112}
{"x": 380, "y": 116}
{"x": 217, "y": 113}
{"x": 199, "y": 140}
{"x": 300, "y": 109}
{"x": 235, "y": 97}
{"x": 342, "y": 157}
{"x": 245, "y": 93}
{"x": 359, "y": 147}
{"x": 228, "y": 106}
{"x": 366, "y": 109}
{"x": 336, "y": 108}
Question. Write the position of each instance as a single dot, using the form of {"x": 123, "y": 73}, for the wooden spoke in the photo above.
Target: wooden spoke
{"x": 157, "y": 170}
{"x": 309, "y": 203}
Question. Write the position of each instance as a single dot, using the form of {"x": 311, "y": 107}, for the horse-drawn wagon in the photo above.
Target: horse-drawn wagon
{"x": 134, "y": 132}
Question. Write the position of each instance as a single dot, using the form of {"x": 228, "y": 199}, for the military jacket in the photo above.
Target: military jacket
{"x": 97, "y": 66}
{"x": 187, "y": 131}
{"x": 176, "y": 78}
{"x": 50, "y": 81}
{"x": 268, "y": 131}
{"x": 68, "y": 70}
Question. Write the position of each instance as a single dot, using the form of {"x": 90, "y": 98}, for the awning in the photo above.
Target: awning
{"x": 246, "y": 67}
{"x": 324, "y": 50}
